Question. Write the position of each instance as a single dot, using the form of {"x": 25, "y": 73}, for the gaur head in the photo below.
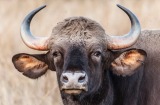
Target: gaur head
{"x": 80, "y": 52}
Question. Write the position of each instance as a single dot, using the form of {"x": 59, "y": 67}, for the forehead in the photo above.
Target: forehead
{"x": 77, "y": 31}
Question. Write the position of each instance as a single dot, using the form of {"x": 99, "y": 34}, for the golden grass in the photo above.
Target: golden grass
{"x": 15, "y": 89}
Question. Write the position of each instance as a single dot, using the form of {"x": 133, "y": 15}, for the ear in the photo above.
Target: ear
{"x": 32, "y": 66}
{"x": 127, "y": 63}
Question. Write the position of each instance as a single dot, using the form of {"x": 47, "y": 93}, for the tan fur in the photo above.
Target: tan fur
{"x": 127, "y": 62}
{"x": 132, "y": 58}
{"x": 28, "y": 62}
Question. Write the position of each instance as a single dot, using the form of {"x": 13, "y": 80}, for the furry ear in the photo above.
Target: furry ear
{"x": 32, "y": 66}
{"x": 127, "y": 63}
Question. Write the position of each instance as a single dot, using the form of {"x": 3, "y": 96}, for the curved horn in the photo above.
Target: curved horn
{"x": 37, "y": 43}
{"x": 127, "y": 40}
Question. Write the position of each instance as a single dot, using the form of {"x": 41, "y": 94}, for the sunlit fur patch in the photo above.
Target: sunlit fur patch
{"x": 133, "y": 57}
{"x": 128, "y": 62}
{"x": 73, "y": 92}
{"x": 28, "y": 62}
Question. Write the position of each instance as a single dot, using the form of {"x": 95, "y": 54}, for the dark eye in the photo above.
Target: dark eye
{"x": 56, "y": 54}
{"x": 97, "y": 53}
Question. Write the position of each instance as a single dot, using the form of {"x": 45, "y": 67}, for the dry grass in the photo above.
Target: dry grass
{"x": 15, "y": 89}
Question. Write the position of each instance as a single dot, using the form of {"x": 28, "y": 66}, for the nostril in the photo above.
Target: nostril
{"x": 64, "y": 79}
{"x": 81, "y": 79}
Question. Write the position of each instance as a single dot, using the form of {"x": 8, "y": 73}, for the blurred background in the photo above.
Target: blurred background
{"x": 16, "y": 89}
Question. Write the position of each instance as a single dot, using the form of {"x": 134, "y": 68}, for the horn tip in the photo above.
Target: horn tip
{"x": 120, "y": 6}
{"x": 43, "y": 6}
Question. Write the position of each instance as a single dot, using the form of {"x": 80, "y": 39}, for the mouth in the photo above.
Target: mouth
{"x": 73, "y": 91}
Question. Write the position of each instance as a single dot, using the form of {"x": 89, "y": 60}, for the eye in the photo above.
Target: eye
{"x": 97, "y": 53}
{"x": 56, "y": 54}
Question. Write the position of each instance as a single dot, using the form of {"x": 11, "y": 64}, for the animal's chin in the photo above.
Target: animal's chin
{"x": 73, "y": 91}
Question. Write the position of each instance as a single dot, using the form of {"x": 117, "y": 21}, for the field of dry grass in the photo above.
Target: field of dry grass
{"x": 15, "y": 89}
